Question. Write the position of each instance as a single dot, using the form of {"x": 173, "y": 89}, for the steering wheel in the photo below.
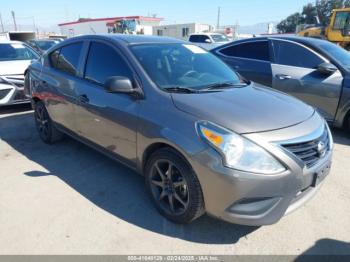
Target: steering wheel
{"x": 190, "y": 73}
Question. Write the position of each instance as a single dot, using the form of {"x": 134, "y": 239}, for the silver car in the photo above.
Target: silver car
{"x": 15, "y": 57}
{"x": 206, "y": 140}
{"x": 313, "y": 70}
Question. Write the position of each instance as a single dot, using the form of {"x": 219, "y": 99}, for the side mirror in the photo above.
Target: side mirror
{"x": 208, "y": 41}
{"x": 327, "y": 68}
{"x": 119, "y": 84}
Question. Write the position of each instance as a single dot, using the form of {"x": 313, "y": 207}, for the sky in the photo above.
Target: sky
{"x": 245, "y": 12}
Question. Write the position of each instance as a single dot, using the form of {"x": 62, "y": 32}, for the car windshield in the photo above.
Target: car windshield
{"x": 184, "y": 66}
{"x": 337, "y": 53}
{"x": 219, "y": 38}
{"x": 16, "y": 51}
{"x": 45, "y": 45}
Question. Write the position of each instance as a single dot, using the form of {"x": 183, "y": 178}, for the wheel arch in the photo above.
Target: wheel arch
{"x": 34, "y": 100}
{"x": 346, "y": 122}
{"x": 158, "y": 145}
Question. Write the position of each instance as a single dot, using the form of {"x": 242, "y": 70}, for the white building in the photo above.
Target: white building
{"x": 181, "y": 31}
{"x": 128, "y": 24}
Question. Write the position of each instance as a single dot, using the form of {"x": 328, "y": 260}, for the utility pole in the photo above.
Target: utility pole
{"x": 35, "y": 29}
{"x": 218, "y": 22}
{"x": 34, "y": 26}
{"x": 2, "y": 24}
{"x": 14, "y": 19}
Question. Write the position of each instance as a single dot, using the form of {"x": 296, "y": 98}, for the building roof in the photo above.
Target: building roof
{"x": 113, "y": 19}
{"x": 129, "y": 39}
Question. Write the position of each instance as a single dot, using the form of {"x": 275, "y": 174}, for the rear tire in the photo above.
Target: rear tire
{"x": 48, "y": 133}
{"x": 174, "y": 187}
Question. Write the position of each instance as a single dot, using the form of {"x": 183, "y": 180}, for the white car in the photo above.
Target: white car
{"x": 15, "y": 57}
{"x": 208, "y": 40}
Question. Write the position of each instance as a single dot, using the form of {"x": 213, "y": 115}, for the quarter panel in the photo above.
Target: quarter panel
{"x": 58, "y": 91}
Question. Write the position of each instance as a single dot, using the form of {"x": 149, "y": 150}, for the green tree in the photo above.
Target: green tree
{"x": 289, "y": 24}
{"x": 325, "y": 7}
{"x": 321, "y": 9}
{"x": 309, "y": 14}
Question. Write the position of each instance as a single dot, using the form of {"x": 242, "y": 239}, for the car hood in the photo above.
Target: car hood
{"x": 14, "y": 67}
{"x": 245, "y": 110}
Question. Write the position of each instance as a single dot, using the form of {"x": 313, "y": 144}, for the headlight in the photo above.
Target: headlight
{"x": 238, "y": 152}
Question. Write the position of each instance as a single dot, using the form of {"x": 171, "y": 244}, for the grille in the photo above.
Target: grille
{"x": 312, "y": 151}
{"x": 4, "y": 93}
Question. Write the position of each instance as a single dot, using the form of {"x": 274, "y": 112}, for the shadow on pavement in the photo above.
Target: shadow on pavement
{"x": 326, "y": 250}
{"x": 15, "y": 108}
{"x": 341, "y": 136}
{"x": 108, "y": 184}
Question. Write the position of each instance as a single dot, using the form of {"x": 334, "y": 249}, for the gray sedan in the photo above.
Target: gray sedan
{"x": 313, "y": 70}
{"x": 206, "y": 140}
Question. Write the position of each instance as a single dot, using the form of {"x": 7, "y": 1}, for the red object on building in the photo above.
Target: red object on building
{"x": 112, "y": 20}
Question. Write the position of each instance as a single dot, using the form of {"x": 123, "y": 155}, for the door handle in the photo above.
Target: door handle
{"x": 283, "y": 77}
{"x": 83, "y": 99}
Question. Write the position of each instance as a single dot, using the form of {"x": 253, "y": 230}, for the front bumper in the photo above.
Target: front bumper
{"x": 12, "y": 90}
{"x": 256, "y": 199}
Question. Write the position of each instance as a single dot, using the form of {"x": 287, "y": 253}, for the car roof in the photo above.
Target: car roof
{"x": 298, "y": 39}
{"x": 307, "y": 41}
{"x": 4, "y": 41}
{"x": 206, "y": 34}
{"x": 131, "y": 39}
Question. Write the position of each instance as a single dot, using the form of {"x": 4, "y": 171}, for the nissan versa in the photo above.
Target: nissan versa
{"x": 206, "y": 140}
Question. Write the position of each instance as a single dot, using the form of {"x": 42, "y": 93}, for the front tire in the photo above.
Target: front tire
{"x": 174, "y": 187}
{"x": 48, "y": 133}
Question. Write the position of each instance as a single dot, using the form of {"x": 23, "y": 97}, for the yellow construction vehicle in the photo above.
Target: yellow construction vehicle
{"x": 338, "y": 30}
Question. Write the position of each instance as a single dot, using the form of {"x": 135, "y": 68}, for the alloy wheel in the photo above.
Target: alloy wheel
{"x": 42, "y": 122}
{"x": 169, "y": 187}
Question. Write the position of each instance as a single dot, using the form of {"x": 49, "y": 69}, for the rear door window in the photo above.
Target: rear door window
{"x": 194, "y": 38}
{"x": 68, "y": 58}
{"x": 198, "y": 38}
{"x": 252, "y": 50}
{"x": 103, "y": 61}
{"x": 292, "y": 54}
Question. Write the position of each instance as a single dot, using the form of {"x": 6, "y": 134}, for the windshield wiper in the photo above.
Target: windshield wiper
{"x": 224, "y": 85}
{"x": 180, "y": 89}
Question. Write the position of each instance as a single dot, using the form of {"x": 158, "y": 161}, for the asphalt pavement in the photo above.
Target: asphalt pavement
{"x": 69, "y": 199}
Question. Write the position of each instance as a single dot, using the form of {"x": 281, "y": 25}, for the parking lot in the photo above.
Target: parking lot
{"x": 69, "y": 199}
